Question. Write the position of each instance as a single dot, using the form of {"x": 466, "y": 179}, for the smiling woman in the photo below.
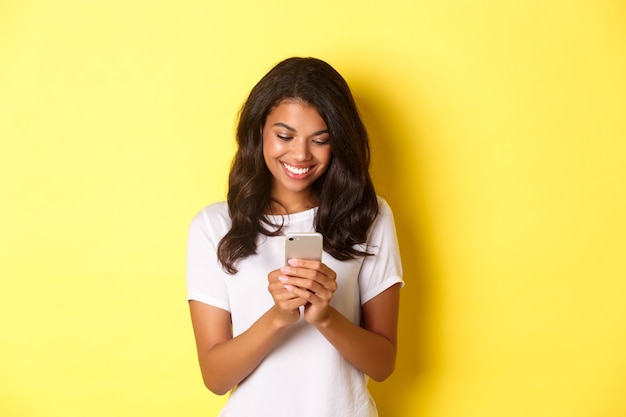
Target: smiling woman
{"x": 495, "y": 129}
{"x": 302, "y": 166}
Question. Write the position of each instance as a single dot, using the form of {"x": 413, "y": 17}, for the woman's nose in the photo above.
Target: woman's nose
{"x": 300, "y": 149}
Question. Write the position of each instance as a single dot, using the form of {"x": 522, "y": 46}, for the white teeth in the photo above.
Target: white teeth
{"x": 297, "y": 171}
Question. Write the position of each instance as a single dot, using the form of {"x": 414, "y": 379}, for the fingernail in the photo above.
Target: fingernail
{"x": 292, "y": 262}
{"x": 284, "y": 269}
{"x": 288, "y": 287}
{"x": 282, "y": 278}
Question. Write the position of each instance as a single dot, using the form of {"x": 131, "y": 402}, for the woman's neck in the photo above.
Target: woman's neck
{"x": 290, "y": 206}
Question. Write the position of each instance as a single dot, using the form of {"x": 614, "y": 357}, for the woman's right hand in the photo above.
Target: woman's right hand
{"x": 225, "y": 360}
{"x": 286, "y": 304}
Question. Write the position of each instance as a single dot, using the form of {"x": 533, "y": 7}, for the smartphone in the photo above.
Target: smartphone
{"x": 303, "y": 246}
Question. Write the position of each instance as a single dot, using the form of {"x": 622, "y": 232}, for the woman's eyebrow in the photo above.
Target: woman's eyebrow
{"x": 286, "y": 126}
{"x": 292, "y": 129}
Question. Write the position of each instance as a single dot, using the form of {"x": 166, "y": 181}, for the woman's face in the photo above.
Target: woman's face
{"x": 296, "y": 149}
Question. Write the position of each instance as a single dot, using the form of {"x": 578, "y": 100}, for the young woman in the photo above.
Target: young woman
{"x": 298, "y": 339}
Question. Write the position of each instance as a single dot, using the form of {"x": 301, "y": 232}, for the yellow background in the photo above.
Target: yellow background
{"x": 499, "y": 137}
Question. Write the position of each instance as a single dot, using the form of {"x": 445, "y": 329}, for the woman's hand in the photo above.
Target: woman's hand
{"x": 313, "y": 284}
{"x": 286, "y": 303}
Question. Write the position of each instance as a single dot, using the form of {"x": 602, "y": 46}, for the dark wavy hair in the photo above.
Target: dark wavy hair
{"x": 347, "y": 203}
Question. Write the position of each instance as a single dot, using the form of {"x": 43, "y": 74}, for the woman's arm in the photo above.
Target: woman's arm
{"x": 225, "y": 361}
{"x": 371, "y": 348}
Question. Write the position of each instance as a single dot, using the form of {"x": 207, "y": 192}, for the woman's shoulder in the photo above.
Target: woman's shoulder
{"x": 214, "y": 216}
{"x": 218, "y": 208}
{"x": 385, "y": 217}
{"x": 383, "y": 206}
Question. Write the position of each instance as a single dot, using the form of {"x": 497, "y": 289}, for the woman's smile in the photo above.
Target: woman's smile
{"x": 296, "y": 171}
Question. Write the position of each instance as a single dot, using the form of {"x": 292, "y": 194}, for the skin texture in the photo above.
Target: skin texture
{"x": 295, "y": 134}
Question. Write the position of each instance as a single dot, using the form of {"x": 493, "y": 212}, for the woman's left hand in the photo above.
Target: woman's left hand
{"x": 314, "y": 282}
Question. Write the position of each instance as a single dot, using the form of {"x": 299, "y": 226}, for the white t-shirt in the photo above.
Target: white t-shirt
{"x": 304, "y": 375}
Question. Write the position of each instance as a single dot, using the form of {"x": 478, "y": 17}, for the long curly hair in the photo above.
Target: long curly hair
{"x": 347, "y": 202}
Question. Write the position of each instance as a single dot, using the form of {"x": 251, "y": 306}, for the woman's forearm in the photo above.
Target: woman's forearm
{"x": 370, "y": 352}
{"x": 227, "y": 363}
{"x": 372, "y": 347}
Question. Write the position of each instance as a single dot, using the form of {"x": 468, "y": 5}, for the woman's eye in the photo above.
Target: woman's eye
{"x": 283, "y": 137}
{"x": 322, "y": 141}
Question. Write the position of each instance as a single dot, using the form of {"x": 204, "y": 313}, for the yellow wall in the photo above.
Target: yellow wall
{"x": 499, "y": 137}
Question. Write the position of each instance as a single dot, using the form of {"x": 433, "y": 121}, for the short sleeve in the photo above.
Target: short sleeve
{"x": 383, "y": 268}
{"x": 205, "y": 277}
